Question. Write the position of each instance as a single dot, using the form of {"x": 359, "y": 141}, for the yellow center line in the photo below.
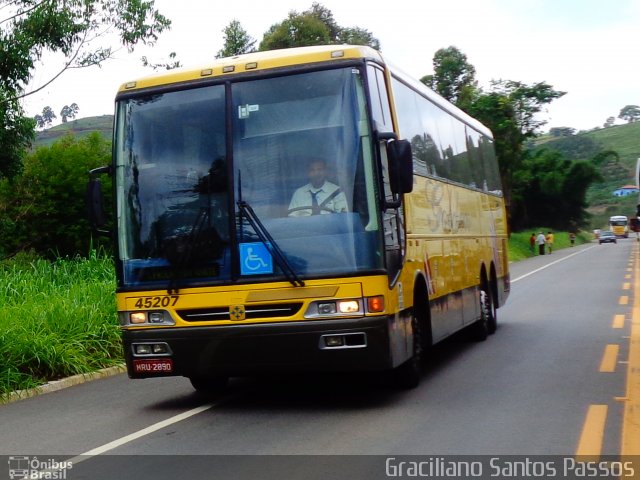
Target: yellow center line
{"x": 590, "y": 444}
{"x": 626, "y": 286}
{"x": 631, "y": 420}
{"x": 609, "y": 359}
{"x": 618, "y": 321}
{"x": 624, "y": 300}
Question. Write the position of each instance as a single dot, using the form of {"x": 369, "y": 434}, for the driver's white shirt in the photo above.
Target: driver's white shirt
{"x": 302, "y": 198}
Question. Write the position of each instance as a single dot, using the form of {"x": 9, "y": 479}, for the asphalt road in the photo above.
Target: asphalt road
{"x": 528, "y": 390}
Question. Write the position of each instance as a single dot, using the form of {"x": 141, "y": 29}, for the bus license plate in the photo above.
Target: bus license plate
{"x": 153, "y": 365}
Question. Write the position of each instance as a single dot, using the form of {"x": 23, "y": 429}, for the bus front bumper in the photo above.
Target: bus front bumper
{"x": 341, "y": 345}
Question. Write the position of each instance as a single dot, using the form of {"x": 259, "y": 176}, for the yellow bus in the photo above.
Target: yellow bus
{"x": 309, "y": 209}
{"x": 619, "y": 225}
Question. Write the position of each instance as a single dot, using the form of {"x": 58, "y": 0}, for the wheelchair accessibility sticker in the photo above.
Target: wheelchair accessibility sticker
{"x": 255, "y": 259}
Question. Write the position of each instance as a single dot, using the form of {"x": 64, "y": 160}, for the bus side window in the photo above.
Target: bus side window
{"x": 379, "y": 99}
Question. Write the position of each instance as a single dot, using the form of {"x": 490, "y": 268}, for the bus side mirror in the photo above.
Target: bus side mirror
{"x": 95, "y": 201}
{"x": 400, "y": 166}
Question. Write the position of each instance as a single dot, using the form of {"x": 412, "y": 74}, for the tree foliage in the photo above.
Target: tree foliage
{"x": 315, "y": 26}
{"x": 74, "y": 28}
{"x": 298, "y": 30}
{"x": 551, "y": 190}
{"x": 562, "y": 131}
{"x": 69, "y": 111}
{"x": 44, "y": 207}
{"x": 236, "y": 41}
{"x": 510, "y": 110}
{"x": 454, "y": 77}
{"x": 16, "y": 135}
{"x": 630, "y": 113}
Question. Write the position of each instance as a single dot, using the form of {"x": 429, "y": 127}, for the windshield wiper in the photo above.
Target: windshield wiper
{"x": 185, "y": 245}
{"x": 268, "y": 241}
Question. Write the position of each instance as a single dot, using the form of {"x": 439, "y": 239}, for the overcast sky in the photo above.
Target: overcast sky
{"x": 587, "y": 48}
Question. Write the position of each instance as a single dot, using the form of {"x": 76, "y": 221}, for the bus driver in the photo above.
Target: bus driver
{"x": 319, "y": 195}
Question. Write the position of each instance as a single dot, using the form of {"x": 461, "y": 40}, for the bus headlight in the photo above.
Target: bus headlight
{"x": 335, "y": 308}
{"x": 138, "y": 317}
{"x": 159, "y": 317}
{"x": 348, "y": 306}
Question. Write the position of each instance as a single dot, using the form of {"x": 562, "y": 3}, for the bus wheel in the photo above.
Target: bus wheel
{"x": 491, "y": 312}
{"x": 209, "y": 385}
{"x": 480, "y": 328}
{"x": 408, "y": 375}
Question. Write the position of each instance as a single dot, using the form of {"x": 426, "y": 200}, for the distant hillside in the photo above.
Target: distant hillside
{"x": 79, "y": 127}
{"x": 625, "y": 141}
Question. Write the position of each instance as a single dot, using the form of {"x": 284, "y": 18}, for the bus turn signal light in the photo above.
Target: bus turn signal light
{"x": 375, "y": 304}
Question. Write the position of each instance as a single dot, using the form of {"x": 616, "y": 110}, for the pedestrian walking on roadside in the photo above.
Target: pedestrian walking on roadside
{"x": 541, "y": 241}
{"x": 532, "y": 243}
{"x": 572, "y": 238}
{"x": 550, "y": 241}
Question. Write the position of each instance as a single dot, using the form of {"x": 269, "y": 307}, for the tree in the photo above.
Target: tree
{"x": 43, "y": 208}
{"x": 630, "y": 113}
{"x": 69, "y": 111}
{"x": 528, "y": 101}
{"x": 74, "y": 28}
{"x": 236, "y": 41}
{"x": 325, "y": 15}
{"x": 358, "y": 36}
{"x": 562, "y": 132}
{"x": 509, "y": 110}
{"x": 454, "y": 76}
{"x": 609, "y": 122}
{"x": 48, "y": 116}
{"x": 16, "y": 135}
{"x": 298, "y": 30}
{"x": 315, "y": 26}
{"x": 552, "y": 191}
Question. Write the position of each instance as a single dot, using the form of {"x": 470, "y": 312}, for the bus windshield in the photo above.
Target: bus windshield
{"x": 296, "y": 149}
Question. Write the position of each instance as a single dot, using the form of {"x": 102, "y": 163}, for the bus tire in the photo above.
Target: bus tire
{"x": 480, "y": 328}
{"x": 407, "y": 375}
{"x": 492, "y": 312}
{"x": 209, "y": 385}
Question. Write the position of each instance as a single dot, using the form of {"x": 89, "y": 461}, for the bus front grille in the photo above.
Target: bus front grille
{"x": 250, "y": 312}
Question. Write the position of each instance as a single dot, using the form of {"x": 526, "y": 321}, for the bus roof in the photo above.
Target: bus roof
{"x": 256, "y": 61}
{"x": 260, "y": 61}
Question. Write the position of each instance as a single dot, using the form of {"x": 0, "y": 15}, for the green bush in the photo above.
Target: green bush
{"x": 44, "y": 208}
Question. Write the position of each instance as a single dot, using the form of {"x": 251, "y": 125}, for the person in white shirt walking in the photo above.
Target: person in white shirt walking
{"x": 541, "y": 241}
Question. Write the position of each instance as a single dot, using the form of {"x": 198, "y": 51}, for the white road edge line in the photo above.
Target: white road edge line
{"x": 141, "y": 433}
{"x": 552, "y": 263}
{"x": 68, "y": 464}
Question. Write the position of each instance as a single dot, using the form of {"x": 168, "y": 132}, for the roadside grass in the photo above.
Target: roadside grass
{"x": 56, "y": 319}
{"x": 519, "y": 247}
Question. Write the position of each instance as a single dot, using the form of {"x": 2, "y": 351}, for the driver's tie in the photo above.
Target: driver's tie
{"x": 315, "y": 208}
